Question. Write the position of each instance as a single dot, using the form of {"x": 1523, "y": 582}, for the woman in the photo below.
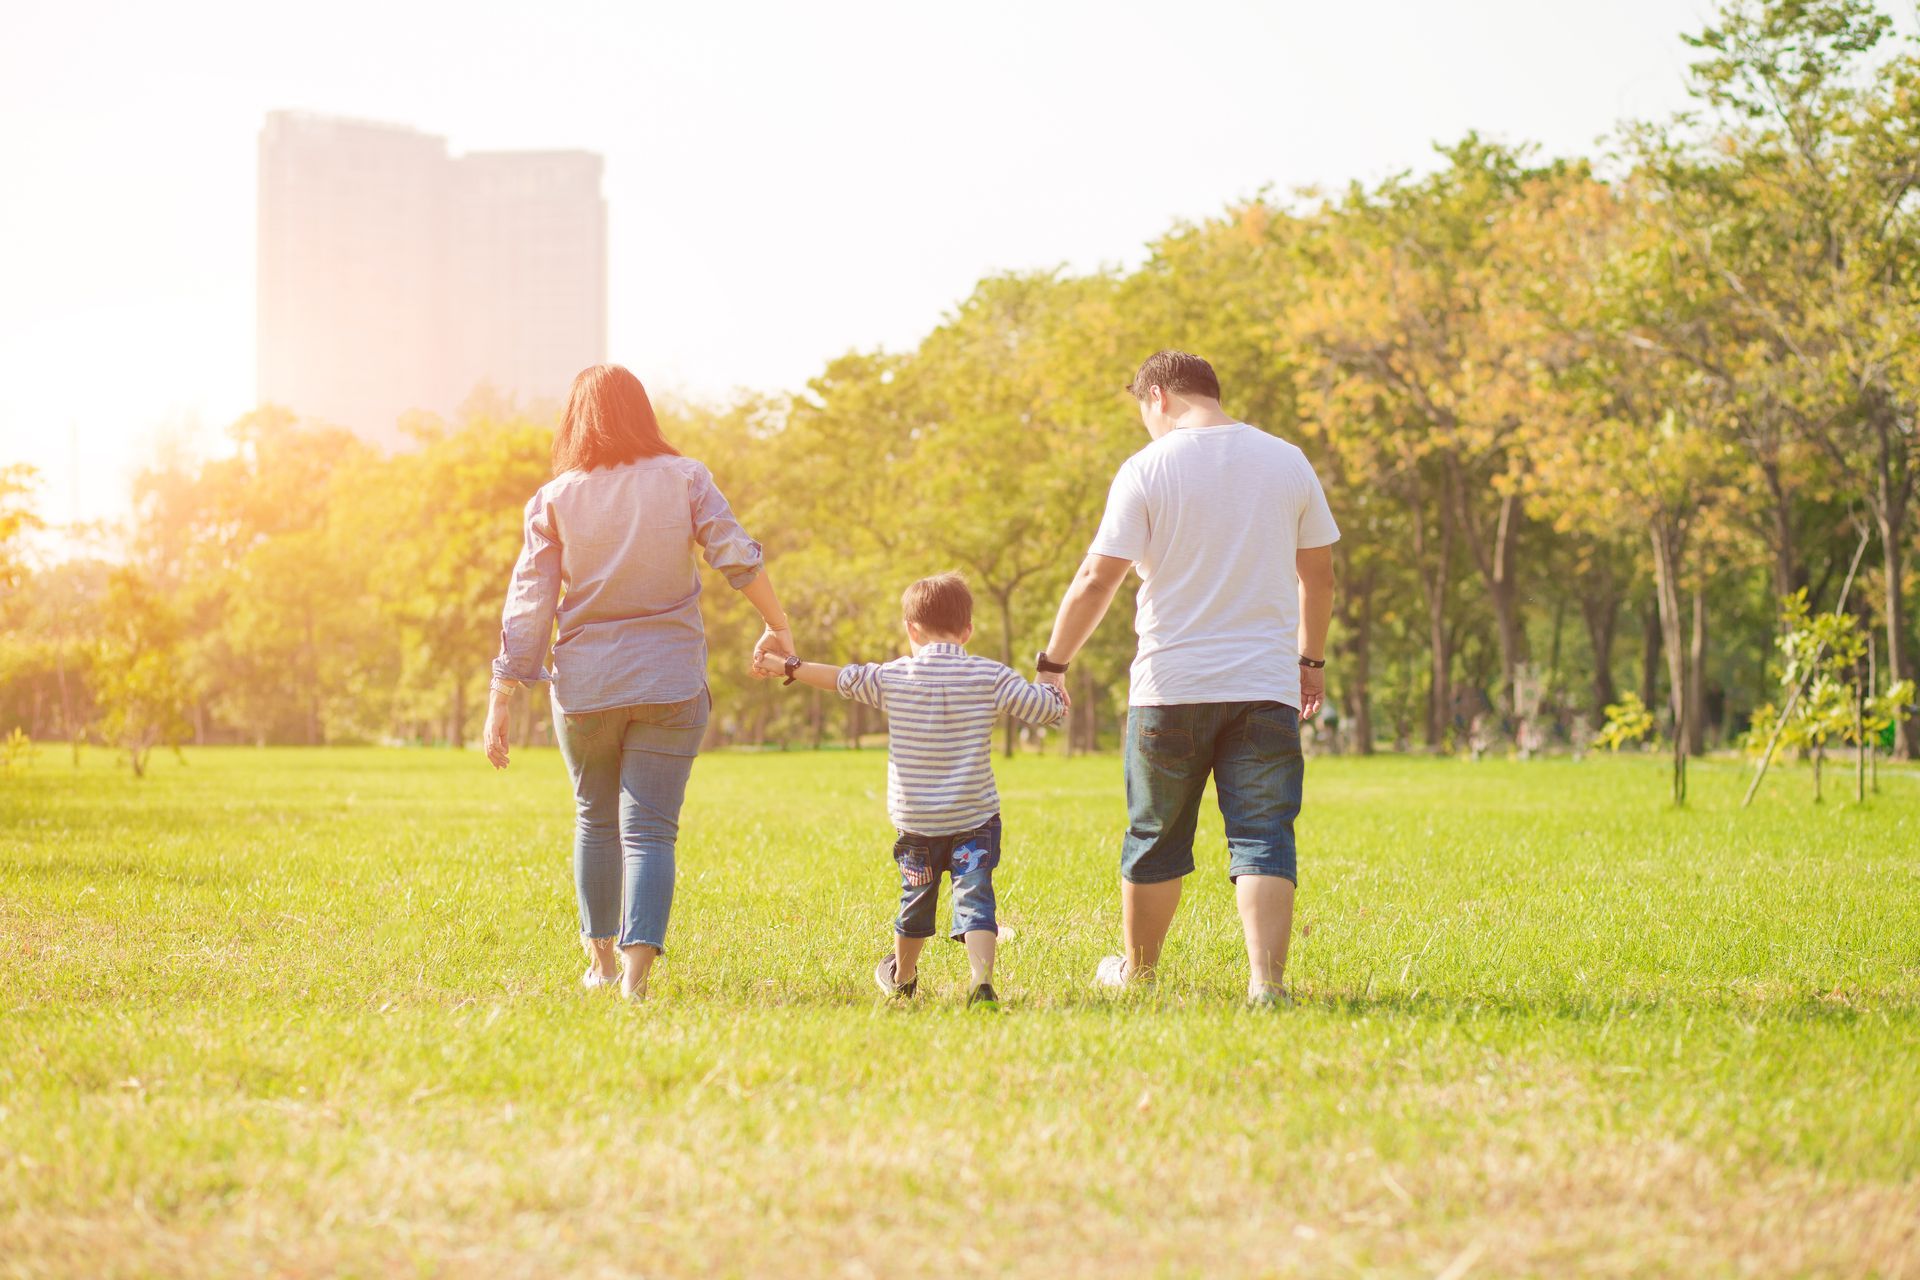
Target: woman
{"x": 609, "y": 552}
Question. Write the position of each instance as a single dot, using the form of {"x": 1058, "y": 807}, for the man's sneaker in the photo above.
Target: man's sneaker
{"x": 1271, "y": 998}
{"x": 883, "y": 978}
{"x": 983, "y": 997}
{"x": 1112, "y": 972}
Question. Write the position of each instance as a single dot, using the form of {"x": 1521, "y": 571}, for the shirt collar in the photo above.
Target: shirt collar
{"x": 941, "y": 648}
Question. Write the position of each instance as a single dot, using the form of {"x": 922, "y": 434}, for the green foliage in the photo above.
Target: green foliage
{"x": 16, "y": 518}
{"x": 1823, "y": 656}
{"x": 1627, "y": 720}
{"x": 1546, "y": 401}
{"x": 143, "y": 693}
{"x": 17, "y": 751}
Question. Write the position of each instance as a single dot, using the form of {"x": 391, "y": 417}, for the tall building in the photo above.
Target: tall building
{"x": 394, "y": 276}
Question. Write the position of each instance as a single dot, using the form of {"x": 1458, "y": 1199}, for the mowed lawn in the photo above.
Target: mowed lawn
{"x": 316, "y": 1013}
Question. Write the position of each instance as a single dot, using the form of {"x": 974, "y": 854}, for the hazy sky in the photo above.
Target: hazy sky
{"x": 785, "y": 181}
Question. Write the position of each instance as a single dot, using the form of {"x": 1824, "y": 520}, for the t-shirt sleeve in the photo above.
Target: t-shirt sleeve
{"x": 1317, "y": 528}
{"x": 1124, "y": 531}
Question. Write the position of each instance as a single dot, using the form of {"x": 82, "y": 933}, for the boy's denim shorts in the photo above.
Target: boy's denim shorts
{"x": 969, "y": 857}
{"x": 1252, "y": 752}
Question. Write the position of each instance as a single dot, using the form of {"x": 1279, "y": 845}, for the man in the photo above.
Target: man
{"x": 1230, "y": 531}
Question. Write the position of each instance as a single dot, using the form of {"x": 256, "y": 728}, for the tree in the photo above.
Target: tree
{"x": 143, "y": 695}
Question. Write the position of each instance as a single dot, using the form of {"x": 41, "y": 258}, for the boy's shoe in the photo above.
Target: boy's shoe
{"x": 1111, "y": 972}
{"x": 983, "y": 997}
{"x": 883, "y": 978}
{"x": 1271, "y": 998}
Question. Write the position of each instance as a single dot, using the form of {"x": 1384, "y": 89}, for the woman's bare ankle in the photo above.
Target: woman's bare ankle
{"x": 636, "y": 966}
{"x": 602, "y": 956}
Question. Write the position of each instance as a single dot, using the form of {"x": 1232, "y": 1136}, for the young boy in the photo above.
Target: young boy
{"x": 940, "y": 705}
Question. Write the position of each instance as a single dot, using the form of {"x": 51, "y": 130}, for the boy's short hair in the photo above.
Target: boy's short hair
{"x": 940, "y": 604}
{"x": 1177, "y": 372}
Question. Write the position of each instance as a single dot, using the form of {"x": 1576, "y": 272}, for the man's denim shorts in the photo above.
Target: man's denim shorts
{"x": 1252, "y": 752}
{"x": 969, "y": 857}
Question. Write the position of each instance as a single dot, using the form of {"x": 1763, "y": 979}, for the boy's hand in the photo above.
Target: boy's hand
{"x": 767, "y": 664}
{"x": 1056, "y": 681}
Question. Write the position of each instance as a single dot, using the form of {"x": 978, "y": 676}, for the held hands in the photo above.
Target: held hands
{"x": 776, "y": 642}
{"x": 1056, "y": 681}
{"x": 768, "y": 665}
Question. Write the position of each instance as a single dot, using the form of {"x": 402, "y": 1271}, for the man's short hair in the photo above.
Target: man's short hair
{"x": 940, "y": 604}
{"x": 1179, "y": 373}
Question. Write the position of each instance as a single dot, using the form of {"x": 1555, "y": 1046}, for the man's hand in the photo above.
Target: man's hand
{"x": 1056, "y": 680}
{"x": 1313, "y": 691}
{"x": 774, "y": 640}
{"x": 494, "y": 736}
{"x": 767, "y": 664}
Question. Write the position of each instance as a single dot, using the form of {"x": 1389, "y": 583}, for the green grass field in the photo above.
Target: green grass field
{"x": 315, "y": 1013}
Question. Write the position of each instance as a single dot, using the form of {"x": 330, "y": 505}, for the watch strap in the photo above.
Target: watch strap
{"x": 1313, "y": 664}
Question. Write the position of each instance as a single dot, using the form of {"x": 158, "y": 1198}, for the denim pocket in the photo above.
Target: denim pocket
{"x": 916, "y": 863}
{"x": 1166, "y": 746}
{"x": 974, "y": 854}
{"x": 587, "y": 728}
{"x": 1275, "y": 728}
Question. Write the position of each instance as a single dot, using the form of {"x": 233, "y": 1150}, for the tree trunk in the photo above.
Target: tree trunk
{"x": 1788, "y": 576}
{"x": 457, "y": 715}
{"x": 1010, "y": 729}
{"x": 1666, "y": 566}
{"x": 1650, "y": 653}
{"x": 1494, "y": 556}
{"x": 1356, "y": 698}
{"x": 1696, "y": 676}
{"x": 1906, "y": 730}
{"x": 1601, "y": 610}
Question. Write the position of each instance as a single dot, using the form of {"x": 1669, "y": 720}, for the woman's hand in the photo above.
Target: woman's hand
{"x": 494, "y": 736}
{"x": 776, "y": 642}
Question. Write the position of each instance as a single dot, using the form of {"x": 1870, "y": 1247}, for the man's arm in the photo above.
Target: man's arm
{"x": 1315, "y": 566}
{"x": 1086, "y": 602}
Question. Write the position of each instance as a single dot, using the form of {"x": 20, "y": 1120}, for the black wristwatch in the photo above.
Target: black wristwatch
{"x": 792, "y": 665}
{"x": 1313, "y": 664}
{"x": 1042, "y": 662}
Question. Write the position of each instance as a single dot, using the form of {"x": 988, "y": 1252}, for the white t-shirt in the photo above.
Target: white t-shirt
{"x": 1211, "y": 518}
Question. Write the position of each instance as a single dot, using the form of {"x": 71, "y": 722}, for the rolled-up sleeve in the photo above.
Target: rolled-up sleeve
{"x": 863, "y": 682}
{"x": 1035, "y": 704}
{"x": 526, "y": 624}
{"x": 724, "y": 543}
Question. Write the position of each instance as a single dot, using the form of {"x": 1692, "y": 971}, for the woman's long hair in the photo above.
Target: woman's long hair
{"x": 609, "y": 421}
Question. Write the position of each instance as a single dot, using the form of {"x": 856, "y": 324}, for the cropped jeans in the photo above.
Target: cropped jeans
{"x": 629, "y": 767}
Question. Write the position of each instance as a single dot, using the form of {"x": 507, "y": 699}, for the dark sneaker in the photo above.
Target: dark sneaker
{"x": 883, "y": 978}
{"x": 983, "y": 997}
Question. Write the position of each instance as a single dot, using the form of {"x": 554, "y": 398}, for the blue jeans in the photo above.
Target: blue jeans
{"x": 629, "y": 767}
{"x": 1252, "y": 750}
{"x": 969, "y": 857}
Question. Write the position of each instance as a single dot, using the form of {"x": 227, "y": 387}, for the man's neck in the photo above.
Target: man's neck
{"x": 1198, "y": 414}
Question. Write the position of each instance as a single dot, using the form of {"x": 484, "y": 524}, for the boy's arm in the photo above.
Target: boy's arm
{"x": 860, "y": 683}
{"x": 1035, "y": 704}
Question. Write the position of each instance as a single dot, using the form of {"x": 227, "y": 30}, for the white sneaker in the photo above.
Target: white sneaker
{"x": 592, "y": 980}
{"x": 1111, "y": 972}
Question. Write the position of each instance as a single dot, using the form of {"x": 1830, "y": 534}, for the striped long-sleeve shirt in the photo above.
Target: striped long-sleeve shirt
{"x": 940, "y": 705}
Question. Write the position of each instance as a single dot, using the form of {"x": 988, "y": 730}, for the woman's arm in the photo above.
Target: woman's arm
{"x": 526, "y": 623}
{"x": 740, "y": 558}
{"x": 778, "y": 637}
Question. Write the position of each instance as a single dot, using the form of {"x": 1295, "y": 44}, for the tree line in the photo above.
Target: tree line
{"x": 1586, "y": 423}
